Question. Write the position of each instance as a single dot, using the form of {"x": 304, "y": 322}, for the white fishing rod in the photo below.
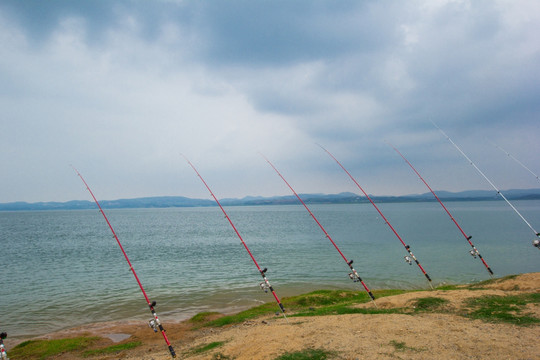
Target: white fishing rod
{"x": 536, "y": 242}
{"x": 519, "y": 162}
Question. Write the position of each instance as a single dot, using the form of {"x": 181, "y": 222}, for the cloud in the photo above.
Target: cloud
{"x": 120, "y": 89}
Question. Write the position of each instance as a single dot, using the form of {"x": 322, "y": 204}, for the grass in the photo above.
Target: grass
{"x": 338, "y": 302}
{"x": 220, "y": 356}
{"x": 203, "y": 317}
{"x": 506, "y": 309}
{"x": 320, "y": 302}
{"x": 264, "y": 309}
{"x": 325, "y": 297}
{"x": 429, "y": 304}
{"x": 307, "y": 354}
{"x": 481, "y": 285}
{"x": 400, "y": 346}
{"x": 44, "y": 349}
{"x": 112, "y": 349}
{"x": 344, "y": 309}
{"x": 477, "y": 286}
{"x": 206, "y": 347}
{"x": 447, "y": 287}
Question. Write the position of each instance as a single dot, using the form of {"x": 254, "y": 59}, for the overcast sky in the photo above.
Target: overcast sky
{"x": 119, "y": 89}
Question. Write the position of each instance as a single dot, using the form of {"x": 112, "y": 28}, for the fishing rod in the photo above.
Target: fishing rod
{"x": 519, "y": 162}
{"x": 474, "y": 252}
{"x": 536, "y": 242}
{"x": 154, "y": 323}
{"x": 353, "y": 275}
{"x": 408, "y": 258}
{"x": 3, "y": 353}
{"x": 265, "y": 285}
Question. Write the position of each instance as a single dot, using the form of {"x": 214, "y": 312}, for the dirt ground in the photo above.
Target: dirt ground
{"x": 357, "y": 336}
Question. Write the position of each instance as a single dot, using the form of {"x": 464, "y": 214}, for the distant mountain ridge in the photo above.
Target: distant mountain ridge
{"x": 341, "y": 198}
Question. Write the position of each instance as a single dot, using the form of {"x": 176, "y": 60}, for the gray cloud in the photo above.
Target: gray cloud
{"x": 119, "y": 89}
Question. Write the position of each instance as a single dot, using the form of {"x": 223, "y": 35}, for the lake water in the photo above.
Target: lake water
{"x": 63, "y": 268}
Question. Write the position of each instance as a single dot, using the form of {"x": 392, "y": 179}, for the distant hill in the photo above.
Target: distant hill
{"x": 146, "y": 202}
{"x": 341, "y": 198}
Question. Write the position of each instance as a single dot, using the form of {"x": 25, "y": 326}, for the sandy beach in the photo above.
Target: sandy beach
{"x": 444, "y": 334}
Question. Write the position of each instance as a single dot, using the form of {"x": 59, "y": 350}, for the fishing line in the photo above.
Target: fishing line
{"x": 409, "y": 258}
{"x": 154, "y": 323}
{"x": 353, "y": 275}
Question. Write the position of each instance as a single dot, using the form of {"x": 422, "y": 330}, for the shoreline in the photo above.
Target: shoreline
{"x": 449, "y": 334}
{"x": 233, "y": 302}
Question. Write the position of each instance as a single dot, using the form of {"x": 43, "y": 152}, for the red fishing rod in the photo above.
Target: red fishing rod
{"x": 155, "y": 323}
{"x": 265, "y": 285}
{"x": 409, "y": 258}
{"x": 353, "y": 275}
{"x": 474, "y": 252}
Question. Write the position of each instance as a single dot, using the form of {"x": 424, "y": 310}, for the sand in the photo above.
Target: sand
{"x": 441, "y": 335}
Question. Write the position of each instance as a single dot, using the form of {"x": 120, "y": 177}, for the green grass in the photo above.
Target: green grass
{"x": 325, "y": 297}
{"x": 338, "y": 302}
{"x": 481, "y": 285}
{"x": 44, "y": 349}
{"x": 220, "y": 356}
{"x": 506, "y": 309}
{"x": 401, "y": 346}
{"x": 447, "y": 287}
{"x": 264, "y": 309}
{"x": 429, "y": 304}
{"x": 112, "y": 349}
{"x": 477, "y": 286}
{"x": 206, "y": 347}
{"x": 203, "y": 317}
{"x": 341, "y": 309}
{"x": 307, "y": 354}
{"x": 320, "y": 302}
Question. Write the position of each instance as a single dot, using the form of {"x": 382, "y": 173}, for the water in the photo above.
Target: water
{"x": 63, "y": 268}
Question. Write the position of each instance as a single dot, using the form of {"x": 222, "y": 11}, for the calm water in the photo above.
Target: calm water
{"x": 64, "y": 268}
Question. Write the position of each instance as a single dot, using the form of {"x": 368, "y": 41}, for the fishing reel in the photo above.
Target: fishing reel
{"x": 354, "y": 276}
{"x": 3, "y": 353}
{"x": 536, "y": 243}
{"x": 154, "y": 324}
{"x": 408, "y": 259}
{"x": 474, "y": 253}
{"x": 264, "y": 286}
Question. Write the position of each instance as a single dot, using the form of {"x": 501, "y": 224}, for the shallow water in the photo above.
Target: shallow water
{"x": 64, "y": 268}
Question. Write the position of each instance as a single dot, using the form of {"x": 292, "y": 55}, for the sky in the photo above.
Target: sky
{"x": 120, "y": 89}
